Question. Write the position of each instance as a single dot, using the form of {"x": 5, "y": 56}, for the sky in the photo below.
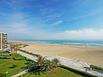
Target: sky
{"x": 52, "y": 19}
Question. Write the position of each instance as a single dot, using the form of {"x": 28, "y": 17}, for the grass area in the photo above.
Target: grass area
{"x": 12, "y": 64}
{"x": 58, "y": 72}
{"x": 96, "y": 67}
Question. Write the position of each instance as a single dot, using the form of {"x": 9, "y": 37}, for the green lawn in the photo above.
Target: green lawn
{"x": 58, "y": 72}
{"x": 12, "y": 66}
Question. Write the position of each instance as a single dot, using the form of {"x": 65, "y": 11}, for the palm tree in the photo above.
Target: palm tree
{"x": 43, "y": 65}
{"x": 55, "y": 62}
{"x": 17, "y": 47}
{"x": 14, "y": 47}
{"x": 40, "y": 61}
{"x": 47, "y": 65}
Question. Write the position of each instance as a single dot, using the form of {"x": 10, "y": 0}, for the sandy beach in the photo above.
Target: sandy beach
{"x": 89, "y": 54}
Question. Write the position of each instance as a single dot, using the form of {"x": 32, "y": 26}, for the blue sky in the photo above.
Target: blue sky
{"x": 52, "y": 19}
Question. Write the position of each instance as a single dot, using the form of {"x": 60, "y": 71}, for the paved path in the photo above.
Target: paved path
{"x": 21, "y": 73}
{"x": 31, "y": 57}
{"x": 74, "y": 64}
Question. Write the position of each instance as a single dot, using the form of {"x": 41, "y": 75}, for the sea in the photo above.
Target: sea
{"x": 70, "y": 42}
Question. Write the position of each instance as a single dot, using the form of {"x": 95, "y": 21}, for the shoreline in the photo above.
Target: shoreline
{"x": 74, "y": 45}
{"x": 88, "y": 54}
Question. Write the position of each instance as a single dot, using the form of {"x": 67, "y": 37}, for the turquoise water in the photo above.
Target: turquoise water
{"x": 70, "y": 42}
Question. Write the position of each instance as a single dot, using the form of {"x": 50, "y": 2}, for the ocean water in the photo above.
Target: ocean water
{"x": 70, "y": 42}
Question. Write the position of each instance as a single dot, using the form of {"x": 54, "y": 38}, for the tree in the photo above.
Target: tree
{"x": 55, "y": 62}
{"x": 43, "y": 65}
{"x": 40, "y": 60}
{"x": 14, "y": 47}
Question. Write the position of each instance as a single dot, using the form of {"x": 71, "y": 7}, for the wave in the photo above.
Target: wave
{"x": 70, "y": 42}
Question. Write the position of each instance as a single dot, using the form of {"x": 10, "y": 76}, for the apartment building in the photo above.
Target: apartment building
{"x": 3, "y": 41}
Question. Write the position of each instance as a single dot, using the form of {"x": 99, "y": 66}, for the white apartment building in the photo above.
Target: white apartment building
{"x": 3, "y": 41}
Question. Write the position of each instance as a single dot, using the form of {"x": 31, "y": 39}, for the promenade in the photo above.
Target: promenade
{"x": 77, "y": 65}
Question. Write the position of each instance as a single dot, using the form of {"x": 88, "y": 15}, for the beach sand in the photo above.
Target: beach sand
{"x": 89, "y": 54}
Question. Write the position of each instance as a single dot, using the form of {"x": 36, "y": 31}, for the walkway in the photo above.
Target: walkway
{"x": 21, "y": 73}
{"x": 76, "y": 64}
{"x": 28, "y": 55}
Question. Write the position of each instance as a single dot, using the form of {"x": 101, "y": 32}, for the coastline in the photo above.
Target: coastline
{"x": 44, "y": 43}
{"x": 89, "y": 54}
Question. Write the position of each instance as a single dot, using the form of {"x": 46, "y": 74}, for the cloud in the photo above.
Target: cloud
{"x": 82, "y": 34}
{"x": 18, "y": 28}
{"x": 89, "y": 14}
{"x": 86, "y": 34}
{"x": 57, "y": 22}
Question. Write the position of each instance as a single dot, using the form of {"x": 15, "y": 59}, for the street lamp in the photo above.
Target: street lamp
{"x": 6, "y": 73}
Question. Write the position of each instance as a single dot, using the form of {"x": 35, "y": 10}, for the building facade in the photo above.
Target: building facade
{"x": 3, "y": 41}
